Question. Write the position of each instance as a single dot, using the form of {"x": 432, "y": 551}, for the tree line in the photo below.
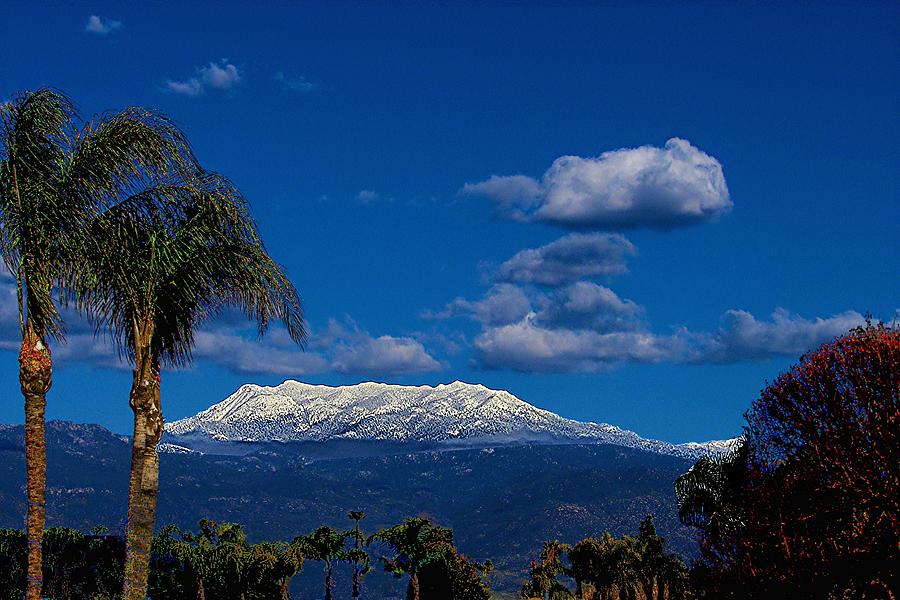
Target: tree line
{"x": 217, "y": 562}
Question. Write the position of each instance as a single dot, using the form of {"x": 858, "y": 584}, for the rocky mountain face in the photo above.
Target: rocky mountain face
{"x": 457, "y": 414}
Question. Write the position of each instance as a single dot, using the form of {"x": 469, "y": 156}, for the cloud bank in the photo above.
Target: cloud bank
{"x": 536, "y": 345}
{"x": 659, "y": 188}
{"x": 230, "y": 342}
{"x": 743, "y": 337}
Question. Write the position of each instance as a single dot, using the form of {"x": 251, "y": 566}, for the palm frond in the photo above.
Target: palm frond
{"x": 35, "y": 137}
{"x": 124, "y": 151}
{"x": 175, "y": 255}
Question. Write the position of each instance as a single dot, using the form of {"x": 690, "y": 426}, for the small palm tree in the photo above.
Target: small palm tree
{"x": 275, "y": 561}
{"x": 158, "y": 264}
{"x": 415, "y": 542}
{"x": 711, "y": 494}
{"x": 327, "y": 545}
{"x": 54, "y": 177}
{"x": 356, "y": 555}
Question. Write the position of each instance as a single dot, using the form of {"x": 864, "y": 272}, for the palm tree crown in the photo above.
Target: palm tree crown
{"x": 173, "y": 255}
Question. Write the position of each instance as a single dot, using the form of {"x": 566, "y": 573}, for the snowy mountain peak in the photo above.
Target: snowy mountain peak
{"x": 459, "y": 412}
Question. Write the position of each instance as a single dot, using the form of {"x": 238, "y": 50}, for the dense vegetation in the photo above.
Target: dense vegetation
{"x": 808, "y": 506}
{"x": 217, "y": 562}
{"x": 609, "y": 567}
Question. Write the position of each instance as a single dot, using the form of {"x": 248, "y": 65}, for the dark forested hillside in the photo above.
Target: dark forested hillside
{"x": 501, "y": 503}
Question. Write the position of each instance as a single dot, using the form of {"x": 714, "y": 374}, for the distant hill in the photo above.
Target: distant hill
{"x": 502, "y": 502}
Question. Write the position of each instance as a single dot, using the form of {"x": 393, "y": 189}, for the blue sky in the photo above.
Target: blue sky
{"x": 621, "y": 213}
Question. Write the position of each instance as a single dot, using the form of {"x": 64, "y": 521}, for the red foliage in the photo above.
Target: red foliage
{"x": 823, "y": 490}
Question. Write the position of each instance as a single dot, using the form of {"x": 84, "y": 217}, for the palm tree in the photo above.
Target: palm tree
{"x": 327, "y": 545}
{"x": 158, "y": 264}
{"x": 53, "y": 178}
{"x": 278, "y": 562}
{"x": 711, "y": 494}
{"x": 356, "y": 555}
{"x": 415, "y": 542}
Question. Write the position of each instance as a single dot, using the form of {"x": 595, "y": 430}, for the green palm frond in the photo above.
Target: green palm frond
{"x": 55, "y": 177}
{"x": 174, "y": 255}
{"x": 126, "y": 150}
{"x": 35, "y": 135}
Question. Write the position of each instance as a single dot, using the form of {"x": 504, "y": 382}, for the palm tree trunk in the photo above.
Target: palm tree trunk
{"x": 142, "y": 494}
{"x": 412, "y": 591}
{"x": 328, "y": 583}
{"x": 356, "y": 581}
{"x": 35, "y": 379}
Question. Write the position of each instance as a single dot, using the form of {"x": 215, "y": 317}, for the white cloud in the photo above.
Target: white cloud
{"x": 273, "y": 354}
{"x": 190, "y": 87}
{"x": 355, "y": 351}
{"x": 101, "y": 26}
{"x": 502, "y": 304}
{"x": 528, "y": 347}
{"x": 367, "y": 196}
{"x": 568, "y": 259}
{"x": 230, "y": 342}
{"x": 742, "y": 337}
{"x": 512, "y": 193}
{"x": 539, "y": 344}
{"x": 586, "y": 305}
{"x": 299, "y": 84}
{"x": 633, "y": 187}
{"x": 221, "y": 76}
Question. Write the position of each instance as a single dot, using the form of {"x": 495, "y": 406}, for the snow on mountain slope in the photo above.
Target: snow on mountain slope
{"x": 461, "y": 412}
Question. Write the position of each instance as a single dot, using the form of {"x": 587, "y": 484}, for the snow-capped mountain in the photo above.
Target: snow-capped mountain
{"x": 460, "y": 413}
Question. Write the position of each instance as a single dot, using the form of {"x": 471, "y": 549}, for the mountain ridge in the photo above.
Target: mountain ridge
{"x": 458, "y": 414}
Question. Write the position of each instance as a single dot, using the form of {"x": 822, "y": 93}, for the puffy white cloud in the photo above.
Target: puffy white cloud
{"x": 512, "y": 193}
{"x": 502, "y": 304}
{"x": 742, "y": 337}
{"x": 355, "y": 351}
{"x": 384, "y": 356}
{"x": 647, "y": 186}
{"x": 221, "y": 76}
{"x": 568, "y": 259}
{"x": 526, "y": 346}
{"x": 101, "y": 26}
{"x": 586, "y": 305}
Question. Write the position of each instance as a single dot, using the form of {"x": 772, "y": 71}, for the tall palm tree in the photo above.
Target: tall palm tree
{"x": 53, "y": 178}
{"x": 158, "y": 264}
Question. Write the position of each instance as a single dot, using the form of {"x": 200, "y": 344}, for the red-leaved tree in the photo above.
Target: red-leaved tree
{"x": 818, "y": 512}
